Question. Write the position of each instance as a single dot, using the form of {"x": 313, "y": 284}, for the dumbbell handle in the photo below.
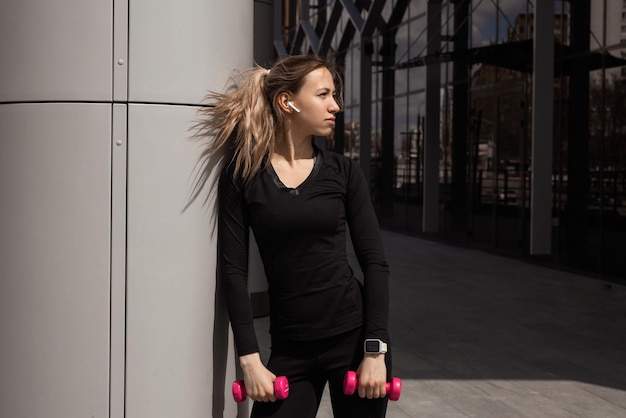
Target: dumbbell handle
{"x": 393, "y": 388}
{"x": 281, "y": 389}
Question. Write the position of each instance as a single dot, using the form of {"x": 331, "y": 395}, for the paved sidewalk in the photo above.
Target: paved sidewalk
{"x": 479, "y": 335}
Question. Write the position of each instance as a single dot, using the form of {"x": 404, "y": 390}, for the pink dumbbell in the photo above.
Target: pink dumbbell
{"x": 281, "y": 389}
{"x": 393, "y": 388}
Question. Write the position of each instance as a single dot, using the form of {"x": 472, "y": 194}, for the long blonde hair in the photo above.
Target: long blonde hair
{"x": 244, "y": 122}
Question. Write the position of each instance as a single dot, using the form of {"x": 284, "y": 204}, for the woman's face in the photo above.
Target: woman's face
{"x": 316, "y": 101}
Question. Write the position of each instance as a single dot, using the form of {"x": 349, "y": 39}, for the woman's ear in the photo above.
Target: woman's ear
{"x": 283, "y": 102}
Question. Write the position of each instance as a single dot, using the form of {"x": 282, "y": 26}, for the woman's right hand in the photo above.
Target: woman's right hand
{"x": 258, "y": 379}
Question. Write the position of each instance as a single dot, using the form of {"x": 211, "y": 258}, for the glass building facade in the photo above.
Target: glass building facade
{"x": 441, "y": 99}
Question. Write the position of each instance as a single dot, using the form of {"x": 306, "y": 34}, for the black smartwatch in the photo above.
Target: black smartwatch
{"x": 374, "y": 346}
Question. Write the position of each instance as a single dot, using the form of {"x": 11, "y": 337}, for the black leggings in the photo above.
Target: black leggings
{"x": 308, "y": 366}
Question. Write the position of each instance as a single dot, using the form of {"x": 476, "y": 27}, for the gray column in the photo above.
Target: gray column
{"x": 430, "y": 214}
{"x": 108, "y": 304}
{"x": 542, "y": 130}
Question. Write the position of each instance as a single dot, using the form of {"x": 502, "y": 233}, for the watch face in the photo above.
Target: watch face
{"x": 372, "y": 346}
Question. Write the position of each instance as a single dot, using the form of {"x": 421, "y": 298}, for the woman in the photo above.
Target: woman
{"x": 299, "y": 201}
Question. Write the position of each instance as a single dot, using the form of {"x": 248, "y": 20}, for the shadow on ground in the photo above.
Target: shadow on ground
{"x": 466, "y": 314}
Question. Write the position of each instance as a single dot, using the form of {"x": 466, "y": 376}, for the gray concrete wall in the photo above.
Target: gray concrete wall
{"x": 107, "y": 288}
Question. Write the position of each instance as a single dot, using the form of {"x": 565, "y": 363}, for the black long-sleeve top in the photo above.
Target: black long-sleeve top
{"x": 301, "y": 235}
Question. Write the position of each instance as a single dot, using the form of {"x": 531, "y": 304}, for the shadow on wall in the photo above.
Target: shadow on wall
{"x": 205, "y": 177}
{"x": 220, "y": 358}
{"x": 220, "y": 353}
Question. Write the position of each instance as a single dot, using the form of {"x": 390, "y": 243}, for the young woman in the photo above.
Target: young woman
{"x": 299, "y": 201}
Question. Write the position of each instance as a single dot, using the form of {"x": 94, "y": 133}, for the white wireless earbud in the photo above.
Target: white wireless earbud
{"x": 293, "y": 106}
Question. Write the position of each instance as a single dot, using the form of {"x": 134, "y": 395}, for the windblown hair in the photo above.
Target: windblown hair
{"x": 244, "y": 122}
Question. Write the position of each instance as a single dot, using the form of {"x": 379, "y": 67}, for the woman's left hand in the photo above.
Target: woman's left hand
{"x": 372, "y": 376}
